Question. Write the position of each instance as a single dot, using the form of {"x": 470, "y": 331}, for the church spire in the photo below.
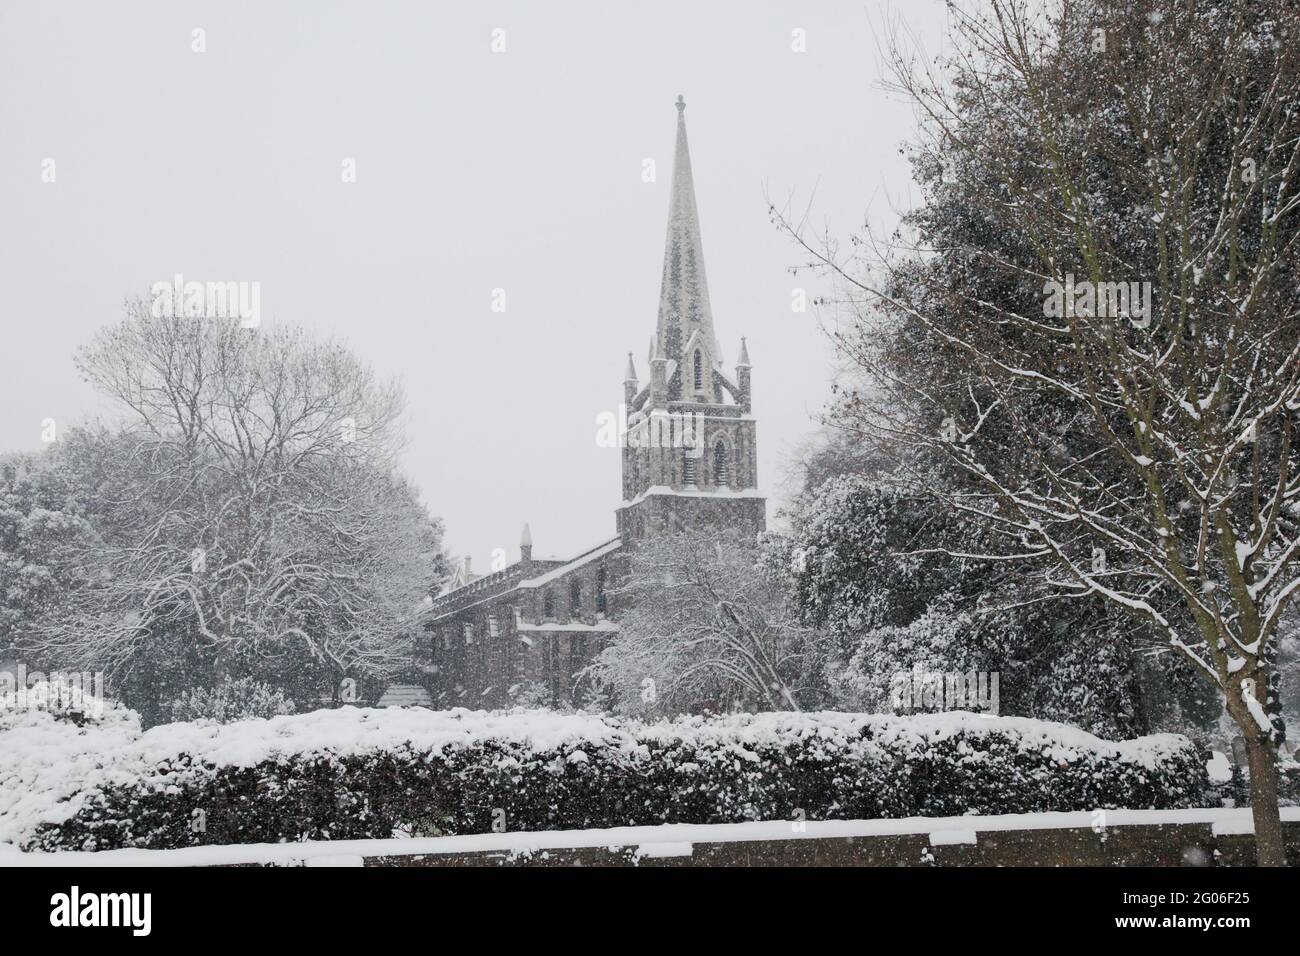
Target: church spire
{"x": 684, "y": 293}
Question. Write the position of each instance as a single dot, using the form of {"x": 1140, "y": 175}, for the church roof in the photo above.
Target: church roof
{"x": 492, "y": 586}
{"x": 590, "y": 555}
{"x": 684, "y": 292}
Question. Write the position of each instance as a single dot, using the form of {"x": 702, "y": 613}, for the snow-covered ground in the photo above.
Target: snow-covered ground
{"x": 657, "y": 841}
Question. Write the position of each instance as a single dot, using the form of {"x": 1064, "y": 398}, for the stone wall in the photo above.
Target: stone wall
{"x": 1192, "y": 844}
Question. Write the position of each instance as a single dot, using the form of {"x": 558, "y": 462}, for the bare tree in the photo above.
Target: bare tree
{"x": 1108, "y": 347}
{"x": 248, "y": 505}
{"x": 705, "y": 628}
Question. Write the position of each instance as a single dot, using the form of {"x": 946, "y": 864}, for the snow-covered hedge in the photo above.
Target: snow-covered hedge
{"x": 49, "y": 758}
{"x": 357, "y": 773}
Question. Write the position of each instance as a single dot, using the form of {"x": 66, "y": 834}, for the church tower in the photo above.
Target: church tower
{"x": 690, "y": 459}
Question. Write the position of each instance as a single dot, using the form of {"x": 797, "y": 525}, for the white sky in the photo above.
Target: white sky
{"x": 475, "y": 171}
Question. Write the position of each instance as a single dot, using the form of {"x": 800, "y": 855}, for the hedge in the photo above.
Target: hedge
{"x": 356, "y": 773}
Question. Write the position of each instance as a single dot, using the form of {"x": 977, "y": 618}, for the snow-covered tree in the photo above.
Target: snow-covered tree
{"x": 248, "y": 516}
{"x": 1096, "y": 322}
{"x": 42, "y": 524}
{"x": 868, "y": 559}
{"x": 705, "y": 629}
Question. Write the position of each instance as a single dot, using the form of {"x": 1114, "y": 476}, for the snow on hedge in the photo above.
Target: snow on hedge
{"x": 48, "y": 762}
{"x": 1060, "y": 741}
{"x": 357, "y": 773}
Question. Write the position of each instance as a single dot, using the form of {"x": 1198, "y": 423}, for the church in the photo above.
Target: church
{"x": 523, "y": 633}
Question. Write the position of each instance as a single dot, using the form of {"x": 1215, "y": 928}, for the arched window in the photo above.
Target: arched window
{"x": 494, "y": 628}
{"x": 688, "y": 467}
{"x": 720, "y": 473}
{"x": 600, "y": 589}
{"x": 699, "y": 370}
{"x": 575, "y": 596}
{"x": 548, "y": 603}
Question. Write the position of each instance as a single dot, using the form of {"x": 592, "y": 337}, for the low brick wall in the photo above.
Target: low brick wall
{"x": 1190, "y": 844}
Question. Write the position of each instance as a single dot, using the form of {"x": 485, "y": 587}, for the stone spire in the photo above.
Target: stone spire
{"x": 684, "y": 293}
{"x": 526, "y": 545}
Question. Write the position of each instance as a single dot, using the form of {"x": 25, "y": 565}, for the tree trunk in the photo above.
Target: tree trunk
{"x": 1261, "y": 757}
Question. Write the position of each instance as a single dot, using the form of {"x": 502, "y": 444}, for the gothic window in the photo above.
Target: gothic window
{"x": 446, "y": 638}
{"x": 688, "y": 467}
{"x": 548, "y": 603}
{"x": 699, "y": 370}
{"x": 720, "y": 472}
{"x": 493, "y": 627}
{"x": 469, "y": 633}
{"x": 575, "y": 596}
{"x": 600, "y": 590}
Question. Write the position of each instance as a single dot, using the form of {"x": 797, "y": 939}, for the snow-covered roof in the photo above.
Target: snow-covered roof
{"x": 492, "y": 586}
{"x": 587, "y": 556}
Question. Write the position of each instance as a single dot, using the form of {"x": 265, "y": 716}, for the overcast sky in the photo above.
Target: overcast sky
{"x": 475, "y": 170}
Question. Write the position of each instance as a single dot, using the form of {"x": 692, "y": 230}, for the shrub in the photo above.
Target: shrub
{"x": 232, "y": 700}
